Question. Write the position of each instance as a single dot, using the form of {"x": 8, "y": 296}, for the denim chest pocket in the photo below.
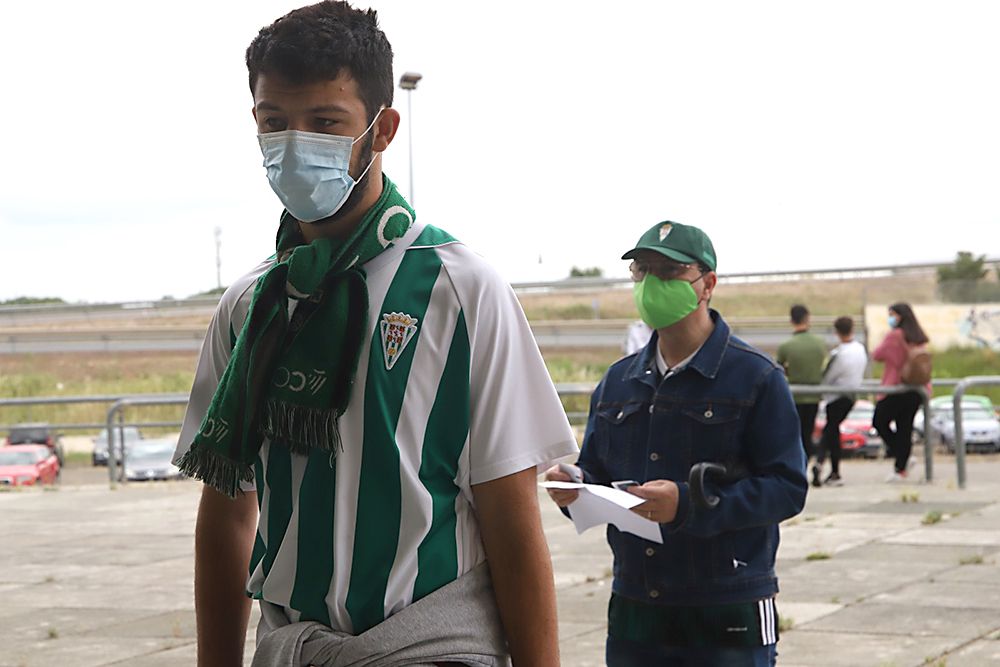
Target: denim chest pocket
{"x": 713, "y": 429}
{"x": 625, "y": 426}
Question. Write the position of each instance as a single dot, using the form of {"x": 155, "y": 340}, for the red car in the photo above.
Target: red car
{"x": 857, "y": 436}
{"x": 28, "y": 465}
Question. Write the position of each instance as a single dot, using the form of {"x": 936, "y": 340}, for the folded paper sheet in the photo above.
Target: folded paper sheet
{"x": 598, "y": 504}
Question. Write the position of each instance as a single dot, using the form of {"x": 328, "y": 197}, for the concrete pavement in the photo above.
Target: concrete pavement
{"x": 871, "y": 574}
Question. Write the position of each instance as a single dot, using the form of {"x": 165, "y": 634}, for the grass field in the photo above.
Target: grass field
{"x": 138, "y": 373}
{"x": 135, "y": 373}
{"x": 773, "y": 299}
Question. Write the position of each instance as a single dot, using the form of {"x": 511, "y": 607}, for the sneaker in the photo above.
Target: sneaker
{"x": 815, "y": 472}
{"x": 833, "y": 479}
{"x": 897, "y": 476}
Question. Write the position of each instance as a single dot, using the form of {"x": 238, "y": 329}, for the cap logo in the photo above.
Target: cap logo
{"x": 665, "y": 231}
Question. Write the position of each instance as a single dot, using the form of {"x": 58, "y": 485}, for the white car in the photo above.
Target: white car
{"x": 980, "y": 426}
{"x": 150, "y": 459}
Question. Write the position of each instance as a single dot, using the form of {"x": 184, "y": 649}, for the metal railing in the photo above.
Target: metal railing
{"x": 116, "y": 410}
{"x": 115, "y": 414}
{"x": 71, "y": 400}
{"x": 964, "y": 384}
{"x": 870, "y": 388}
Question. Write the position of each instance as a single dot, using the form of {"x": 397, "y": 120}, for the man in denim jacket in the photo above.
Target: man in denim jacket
{"x": 695, "y": 393}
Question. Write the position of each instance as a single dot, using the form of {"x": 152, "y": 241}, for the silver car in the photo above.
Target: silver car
{"x": 150, "y": 459}
{"x": 980, "y": 426}
{"x": 100, "y": 455}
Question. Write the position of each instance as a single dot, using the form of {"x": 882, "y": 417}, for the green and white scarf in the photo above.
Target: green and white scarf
{"x": 290, "y": 379}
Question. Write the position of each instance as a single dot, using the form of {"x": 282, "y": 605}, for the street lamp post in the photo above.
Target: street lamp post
{"x": 408, "y": 82}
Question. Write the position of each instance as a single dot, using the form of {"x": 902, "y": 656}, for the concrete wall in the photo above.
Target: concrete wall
{"x": 947, "y": 325}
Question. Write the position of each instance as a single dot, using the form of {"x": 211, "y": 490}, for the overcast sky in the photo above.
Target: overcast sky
{"x": 798, "y": 134}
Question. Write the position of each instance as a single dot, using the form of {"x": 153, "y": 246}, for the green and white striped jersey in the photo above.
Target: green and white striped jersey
{"x": 451, "y": 391}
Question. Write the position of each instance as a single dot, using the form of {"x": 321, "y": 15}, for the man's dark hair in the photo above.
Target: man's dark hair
{"x": 799, "y": 313}
{"x": 844, "y": 325}
{"x": 315, "y": 43}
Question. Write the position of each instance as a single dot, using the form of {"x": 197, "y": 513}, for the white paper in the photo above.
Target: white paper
{"x": 599, "y": 504}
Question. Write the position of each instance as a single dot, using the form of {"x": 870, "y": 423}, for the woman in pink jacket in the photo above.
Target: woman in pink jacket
{"x": 905, "y": 332}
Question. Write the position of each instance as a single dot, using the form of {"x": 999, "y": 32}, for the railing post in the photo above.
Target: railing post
{"x": 113, "y": 411}
{"x": 956, "y": 403}
{"x": 928, "y": 436}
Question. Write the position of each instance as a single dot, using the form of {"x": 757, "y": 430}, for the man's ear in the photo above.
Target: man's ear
{"x": 385, "y": 129}
{"x": 711, "y": 280}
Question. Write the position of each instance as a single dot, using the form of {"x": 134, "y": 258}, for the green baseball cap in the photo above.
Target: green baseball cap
{"x": 681, "y": 243}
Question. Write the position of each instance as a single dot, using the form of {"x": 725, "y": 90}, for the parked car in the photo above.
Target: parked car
{"x": 100, "y": 455}
{"x": 36, "y": 434}
{"x": 980, "y": 426}
{"x": 857, "y": 435}
{"x": 150, "y": 459}
{"x": 28, "y": 465}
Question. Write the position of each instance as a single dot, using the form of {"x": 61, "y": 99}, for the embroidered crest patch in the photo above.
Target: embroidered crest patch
{"x": 665, "y": 230}
{"x": 397, "y": 330}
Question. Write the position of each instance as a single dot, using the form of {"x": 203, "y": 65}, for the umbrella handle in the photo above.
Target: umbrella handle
{"x": 696, "y": 483}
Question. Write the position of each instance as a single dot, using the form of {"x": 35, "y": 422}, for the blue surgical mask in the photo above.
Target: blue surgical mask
{"x": 893, "y": 321}
{"x": 309, "y": 171}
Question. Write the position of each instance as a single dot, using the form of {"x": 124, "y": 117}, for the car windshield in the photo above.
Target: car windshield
{"x": 973, "y": 411}
{"x": 22, "y": 435}
{"x": 131, "y": 434}
{"x": 19, "y": 458}
{"x": 161, "y": 450}
{"x": 861, "y": 413}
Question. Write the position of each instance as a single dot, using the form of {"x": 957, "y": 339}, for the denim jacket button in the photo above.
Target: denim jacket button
{"x": 650, "y": 551}
{"x": 708, "y": 414}
{"x": 621, "y": 414}
{"x": 651, "y": 409}
{"x": 654, "y": 457}
{"x": 654, "y": 594}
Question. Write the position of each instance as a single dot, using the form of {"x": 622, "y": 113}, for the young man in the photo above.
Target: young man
{"x": 695, "y": 394}
{"x": 802, "y": 358}
{"x": 846, "y": 368}
{"x": 374, "y": 389}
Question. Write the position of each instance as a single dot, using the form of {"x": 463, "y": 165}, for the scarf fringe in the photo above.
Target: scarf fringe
{"x": 214, "y": 469}
{"x": 302, "y": 429}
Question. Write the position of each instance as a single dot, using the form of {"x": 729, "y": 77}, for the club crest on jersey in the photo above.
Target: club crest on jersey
{"x": 397, "y": 330}
{"x": 665, "y": 230}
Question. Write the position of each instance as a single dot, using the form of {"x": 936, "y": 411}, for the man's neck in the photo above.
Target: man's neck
{"x": 341, "y": 228}
{"x": 800, "y": 328}
{"x": 846, "y": 339}
{"x": 679, "y": 341}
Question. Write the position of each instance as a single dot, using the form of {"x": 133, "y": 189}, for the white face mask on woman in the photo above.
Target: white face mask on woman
{"x": 309, "y": 171}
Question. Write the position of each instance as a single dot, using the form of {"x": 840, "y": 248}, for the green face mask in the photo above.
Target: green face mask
{"x": 664, "y": 302}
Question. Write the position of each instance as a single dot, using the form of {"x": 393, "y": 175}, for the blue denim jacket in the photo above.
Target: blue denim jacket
{"x": 731, "y": 405}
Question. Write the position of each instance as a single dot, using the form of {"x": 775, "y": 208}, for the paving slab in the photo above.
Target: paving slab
{"x": 844, "y": 579}
{"x": 92, "y": 576}
{"x": 976, "y": 654}
{"x": 944, "y": 595}
{"x": 809, "y": 648}
{"x": 893, "y": 617}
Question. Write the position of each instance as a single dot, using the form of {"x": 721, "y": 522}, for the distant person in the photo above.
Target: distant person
{"x": 802, "y": 358}
{"x": 696, "y": 393}
{"x": 373, "y": 387}
{"x": 636, "y": 337}
{"x": 904, "y": 353}
{"x": 845, "y": 368}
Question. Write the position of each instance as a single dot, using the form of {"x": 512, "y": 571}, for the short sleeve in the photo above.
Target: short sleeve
{"x": 215, "y": 352}
{"x": 516, "y": 418}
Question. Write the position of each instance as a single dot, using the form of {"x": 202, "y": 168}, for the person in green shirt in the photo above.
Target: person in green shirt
{"x": 802, "y": 357}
